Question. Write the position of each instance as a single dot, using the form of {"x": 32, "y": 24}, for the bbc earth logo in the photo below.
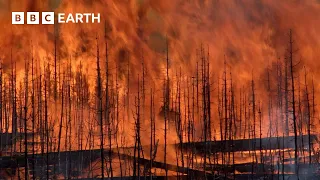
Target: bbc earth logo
{"x": 49, "y": 18}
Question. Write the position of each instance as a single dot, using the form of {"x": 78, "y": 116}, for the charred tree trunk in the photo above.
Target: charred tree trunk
{"x": 99, "y": 112}
{"x": 293, "y": 103}
{"x": 26, "y": 121}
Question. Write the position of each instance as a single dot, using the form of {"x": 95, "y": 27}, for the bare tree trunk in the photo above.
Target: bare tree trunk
{"x": 117, "y": 122}
{"x": 46, "y": 126}
{"x": 166, "y": 111}
{"x": 254, "y": 124}
{"x": 99, "y": 112}
{"x": 2, "y": 103}
{"x": 293, "y": 105}
{"x": 25, "y": 121}
{"x": 308, "y": 115}
{"x": 33, "y": 117}
{"x": 152, "y": 130}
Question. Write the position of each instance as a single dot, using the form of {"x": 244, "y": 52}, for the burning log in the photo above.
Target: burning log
{"x": 268, "y": 169}
{"x": 251, "y": 144}
{"x": 277, "y": 176}
{"x": 88, "y": 157}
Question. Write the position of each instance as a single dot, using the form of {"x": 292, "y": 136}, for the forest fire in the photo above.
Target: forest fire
{"x": 198, "y": 89}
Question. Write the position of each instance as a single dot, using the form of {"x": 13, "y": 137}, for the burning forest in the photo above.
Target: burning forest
{"x": 183, "y": 89}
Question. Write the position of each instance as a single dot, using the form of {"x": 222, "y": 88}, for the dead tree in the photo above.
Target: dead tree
{"x": 99, "y": 110}
{"x": 152, "y": 130}
{"x": 291, "y": 59}
{"x": 254, "y": 123}
{"x": 13, "y": 99}
{"x": 308, "y": 114}
{"x": 166, "y": 110}
{"x": 107, "y": 106}
{"x": 286, "y": 96}
{"x": 46, "y": 126}
{"x": 33, "y": 115}
{"x": 225, "y": 106}
{"x": 26, "y": 120}
{"x": 137, "y": 146}
{"x": 313, "y": 103}
{"x": 1, "y": 102}
{"x": 116, "y": 134}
